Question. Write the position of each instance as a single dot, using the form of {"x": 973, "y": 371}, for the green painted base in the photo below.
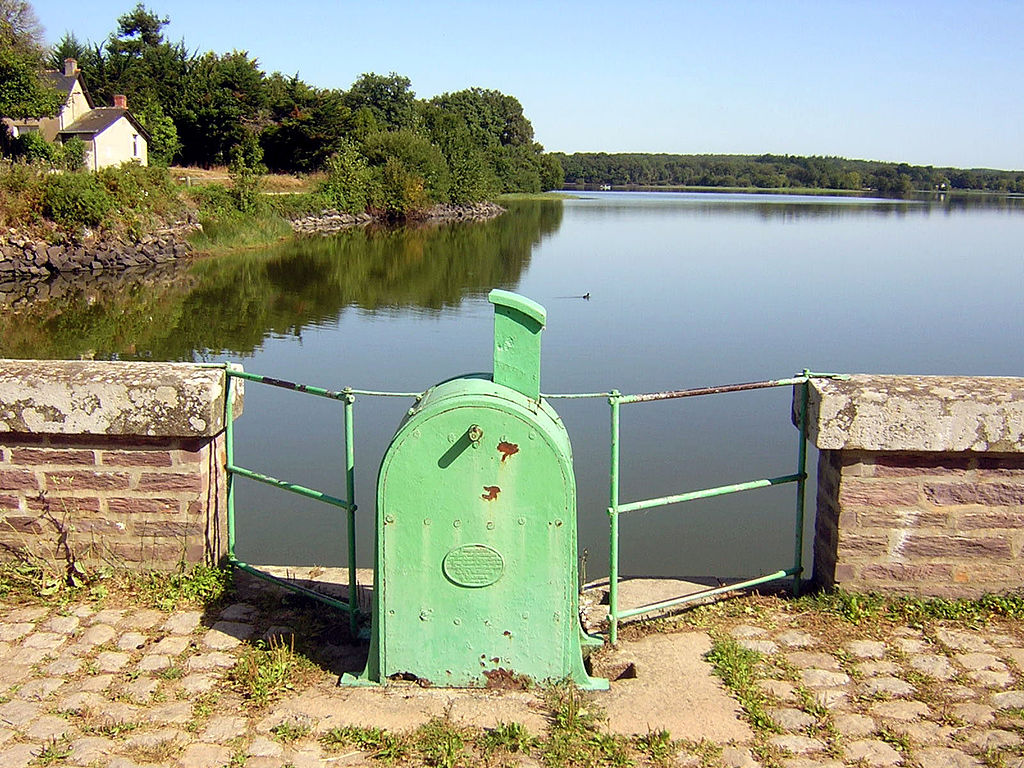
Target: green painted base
{"x": 351, "y": 681}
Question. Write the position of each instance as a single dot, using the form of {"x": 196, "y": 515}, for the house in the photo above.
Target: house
{"x": 112, "y": 135}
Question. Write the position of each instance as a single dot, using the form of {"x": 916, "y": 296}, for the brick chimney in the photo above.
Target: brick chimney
{"x": 121, "y": 101}
{"x": 70, "y": 67}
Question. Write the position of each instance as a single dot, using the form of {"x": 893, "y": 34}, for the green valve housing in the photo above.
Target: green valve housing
{"x": 475, "y": 566}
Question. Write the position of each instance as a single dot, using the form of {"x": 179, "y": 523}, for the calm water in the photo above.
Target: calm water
{"x": 686, "y": 290}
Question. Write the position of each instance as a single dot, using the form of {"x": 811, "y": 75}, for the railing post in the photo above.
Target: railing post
{"x": 350, "y": 495}
{"x": 229, "y": 457}
{"x": 613, "y": 520}
{"x": 801, "y": 487}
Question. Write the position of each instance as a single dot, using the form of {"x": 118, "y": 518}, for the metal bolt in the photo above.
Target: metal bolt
{"x": 475, "y": 433}
{"x": 521, "y": 521}
{"x": 389, "y": 518}
{"x": 490, "y": 525}
{"x": 427, "y": 521}
{"x": 456, "y": 621}
{"x": 457, "y": 523}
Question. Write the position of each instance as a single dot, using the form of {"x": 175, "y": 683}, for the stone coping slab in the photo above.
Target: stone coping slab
{"x": 84, "y": 397}
{"x": 917, "y": 413}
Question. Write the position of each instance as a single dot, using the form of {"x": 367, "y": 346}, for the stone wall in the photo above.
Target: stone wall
{"x": 920, "y": 484}
{"x": 112, "y": 463}
{"x": 331, "y": 221}
{"x": 22, "y": 256}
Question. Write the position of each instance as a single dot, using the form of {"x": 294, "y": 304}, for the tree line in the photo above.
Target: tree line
{"x": 206, "y": 109}
{"x": 777, "y": 172}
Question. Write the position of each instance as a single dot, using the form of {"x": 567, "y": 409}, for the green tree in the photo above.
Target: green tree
{"x": 23, "y": 92}
{"x": 349, "y": 184}
{"x": 417, "y": 158}
{"x": 163, "y": 134}
{"x": 388, "y": 98}
{"x": 224, "y": 99}
{"x": 306, "y": 125}
{"x": 246, "y": 169}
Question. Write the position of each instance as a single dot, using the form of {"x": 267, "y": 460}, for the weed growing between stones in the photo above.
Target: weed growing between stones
{"x": 739, "y": 669}
{"x": 507, "y": 737}
{"x": 657, "y": 745}
{"x": 913, "y": 611}
{"x": 267, "y": 670}
{"x": 289, "y": 731}
{"x": 53, "y": 751}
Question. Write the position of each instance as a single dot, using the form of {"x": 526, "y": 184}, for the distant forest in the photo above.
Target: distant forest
{"x": 777, "y": 171}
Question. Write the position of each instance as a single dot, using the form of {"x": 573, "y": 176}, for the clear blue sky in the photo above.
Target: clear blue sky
{"x": 926, "y": 82}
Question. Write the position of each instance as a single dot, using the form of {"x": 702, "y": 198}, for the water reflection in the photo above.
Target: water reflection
{"x": 231, "y": 304}
{"x": 786, "y": 207}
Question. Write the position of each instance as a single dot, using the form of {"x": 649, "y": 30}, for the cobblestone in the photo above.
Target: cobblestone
{"x": 135, "y": 686}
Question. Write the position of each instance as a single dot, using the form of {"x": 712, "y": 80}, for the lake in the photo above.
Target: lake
{"x": 685, "y": 290}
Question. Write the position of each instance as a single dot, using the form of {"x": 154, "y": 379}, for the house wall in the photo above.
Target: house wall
{"x": 75, "y": 106}
{"x": 118, "y": 144}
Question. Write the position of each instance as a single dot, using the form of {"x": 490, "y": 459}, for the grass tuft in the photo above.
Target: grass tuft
{"x": 267, "y": 670}
{"x": 739, "y": 669}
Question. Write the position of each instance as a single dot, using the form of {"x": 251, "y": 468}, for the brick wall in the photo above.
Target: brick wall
{"x": 141, "y": 484}
{"x": 935, "y": 524}
{"x": 920, "y": 484}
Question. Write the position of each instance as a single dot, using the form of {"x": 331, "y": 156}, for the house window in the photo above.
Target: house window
{"x": 135, "y": 144}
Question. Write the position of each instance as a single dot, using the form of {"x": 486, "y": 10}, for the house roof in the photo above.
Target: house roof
{"x": 64, "y": 83}
{"x": 99, "y": 119}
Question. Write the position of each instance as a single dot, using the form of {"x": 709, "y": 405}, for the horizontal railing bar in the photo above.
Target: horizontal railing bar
{"x": 574, "y": 395}
{"x": 677, "y": 393}
{"x": 334, "y": 603}
{"x": 707, "y": 593}
{"x": 301, "y": 490}
{"x": 294, "y": 386}
{"x": 379, "y": 393}
{"x": 708, "y": 493}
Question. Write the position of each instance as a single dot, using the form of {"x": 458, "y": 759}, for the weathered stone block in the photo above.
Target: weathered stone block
{"x": 955, "y": 546}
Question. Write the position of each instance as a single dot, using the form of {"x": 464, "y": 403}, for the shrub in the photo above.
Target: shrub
{"x": 75, "y": 199}
{"x": 32, "y": 146}
{"x": 349, "y": 183}
{"x": 73, "y": 154}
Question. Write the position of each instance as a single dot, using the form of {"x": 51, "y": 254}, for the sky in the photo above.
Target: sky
{"x": 928, "y": 83}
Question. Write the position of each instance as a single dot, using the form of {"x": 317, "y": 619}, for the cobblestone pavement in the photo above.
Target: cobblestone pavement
{"x": 942, "y": 696}
{"x": 123, "y": 687}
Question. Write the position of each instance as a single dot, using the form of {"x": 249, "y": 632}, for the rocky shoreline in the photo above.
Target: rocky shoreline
{"x": 26, "y": 257}
{"x": 330, "y": 221}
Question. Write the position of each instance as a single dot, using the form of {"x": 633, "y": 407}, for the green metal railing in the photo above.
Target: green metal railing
{"x": 616, "y": 508}
{"x": 347, "y": 397}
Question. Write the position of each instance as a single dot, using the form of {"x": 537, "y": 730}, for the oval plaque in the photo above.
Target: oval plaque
{"x": 473, "y": 565}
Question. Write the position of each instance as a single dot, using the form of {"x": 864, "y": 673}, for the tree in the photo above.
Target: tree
{"x": 306, "y": 125}
{"x": 20, "y": 28}
{"x": 223, "y": 100}
{"x": 23, "y": 92}
{"x": 163, "y": 135}
{"x": 490, "y": 116}
{"x": 388, "y": 98}
{"x": 137, "y": 30}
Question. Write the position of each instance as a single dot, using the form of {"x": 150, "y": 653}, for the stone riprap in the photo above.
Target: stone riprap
{"x": 330, "y": 221}
{"x": 112, "y": 462}
{"x": 920, "y": 484}
{"x": 22, "y": 257}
